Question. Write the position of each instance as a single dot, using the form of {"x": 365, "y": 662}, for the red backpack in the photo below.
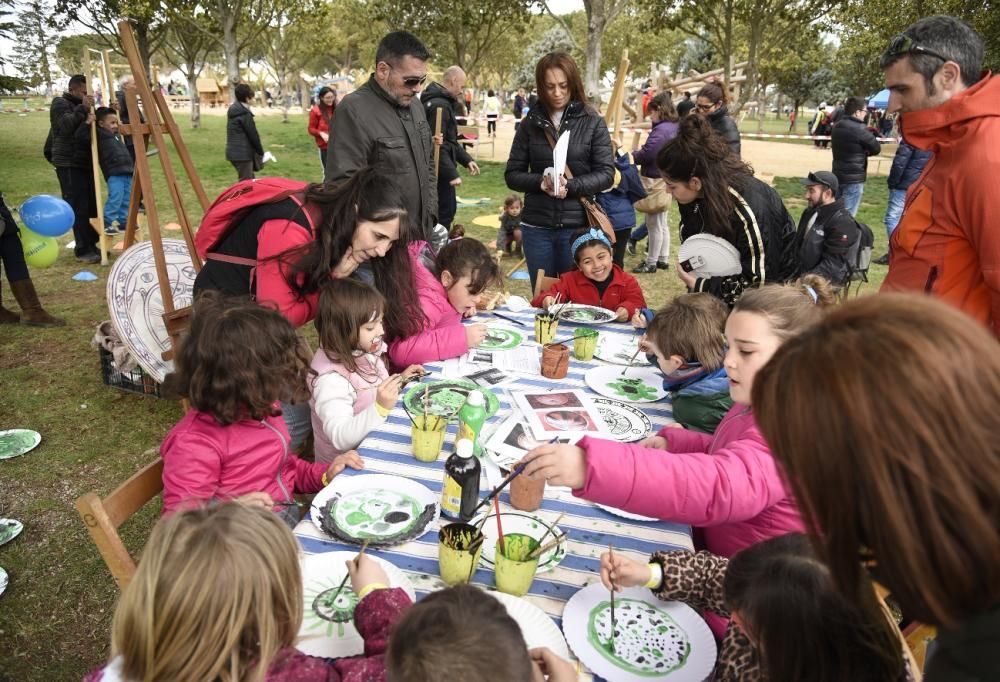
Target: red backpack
{"x": 235, "y": 203}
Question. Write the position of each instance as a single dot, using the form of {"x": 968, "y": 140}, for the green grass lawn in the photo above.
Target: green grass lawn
{"x": 55, "y": 615}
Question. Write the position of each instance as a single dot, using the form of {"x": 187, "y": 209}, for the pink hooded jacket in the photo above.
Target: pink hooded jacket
{"x": 202, "y": 460}
{"x": 443, "y": 335}
{"x": 728, "y": 484}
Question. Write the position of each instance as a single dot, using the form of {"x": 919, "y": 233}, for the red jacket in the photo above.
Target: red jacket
{"x": 202, "y": 460}
{"x": 948, "y": 241}
{"x": 623, "y": 292}
{"x": 318, "y": 124}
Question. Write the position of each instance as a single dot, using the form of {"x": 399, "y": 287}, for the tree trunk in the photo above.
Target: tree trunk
{"x": 231, "y": 50}
{"x": 192, "y": 80}
{"x": 142, "y": 41}
{"x": 592, "y": 78}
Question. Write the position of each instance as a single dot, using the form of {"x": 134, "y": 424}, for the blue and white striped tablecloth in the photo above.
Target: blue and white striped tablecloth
{"x": 590, "y": 529}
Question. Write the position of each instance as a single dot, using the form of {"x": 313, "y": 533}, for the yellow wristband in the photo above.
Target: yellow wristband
{"x": 655, "y": 575}
{"x": 325, "y": 480}
{"x": 368, "y": 589}
{"x": 382, "y": 412}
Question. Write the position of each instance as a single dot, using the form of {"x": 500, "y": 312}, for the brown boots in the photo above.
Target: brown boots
{"x": 31, "y": 310}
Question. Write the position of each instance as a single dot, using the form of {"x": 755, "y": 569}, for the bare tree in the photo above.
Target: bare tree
{"x": 187, "y": 51}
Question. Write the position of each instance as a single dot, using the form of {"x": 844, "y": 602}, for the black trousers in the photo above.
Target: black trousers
{"x": 447, "y": 203}
{"x": 77, "y": 185}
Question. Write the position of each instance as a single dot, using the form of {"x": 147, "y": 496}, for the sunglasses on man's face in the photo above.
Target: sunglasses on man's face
{"x": 904, "y": 44}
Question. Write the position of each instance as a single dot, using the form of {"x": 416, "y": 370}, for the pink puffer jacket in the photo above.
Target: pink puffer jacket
{"x": 728, "y": 484}
{"x": 443, "y": 336}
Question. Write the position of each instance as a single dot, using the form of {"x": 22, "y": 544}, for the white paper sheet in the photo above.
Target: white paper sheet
{"x": 523, "y": 359}
{"x": 559, "y": 159}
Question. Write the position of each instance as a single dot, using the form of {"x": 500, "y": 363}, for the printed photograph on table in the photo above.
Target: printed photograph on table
{"x": 501, "y": 338}
{"x": 577, "y": 415}
{"x": 481, "y": 357}
{"x": 511, "y": 442}
{"x": 523, "y": 523}
{"x": 631, "y": 384}
{"x": 328, "y": 615}
{"x": 626, "y": 423}
{"x": 619, "y": 349}
{"x": 489, "y": 378}
{"x": 585, "y": 314}
{"x": 381, "y": 509}
{"x": 445, "y": 397}
{"x": 652, "y": 639}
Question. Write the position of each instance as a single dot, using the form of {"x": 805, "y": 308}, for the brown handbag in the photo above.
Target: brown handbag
{"x": 596, "y": 216}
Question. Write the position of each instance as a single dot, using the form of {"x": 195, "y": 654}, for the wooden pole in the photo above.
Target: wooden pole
{"x": 95, "y": 164}
{"x": 437, "y": 147}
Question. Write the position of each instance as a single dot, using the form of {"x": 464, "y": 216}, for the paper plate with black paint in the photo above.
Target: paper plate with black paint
{"x": 586, "y": 314}
{"x": 445, "y": 398}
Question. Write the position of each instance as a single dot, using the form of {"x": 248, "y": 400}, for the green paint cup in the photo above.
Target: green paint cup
{"x": 428, "y": 437}
{"x": 546, "y": 326}
{"x": 584, "y": 344}
{"x": 514, "y": 571}
{"x": 455, "y": 562}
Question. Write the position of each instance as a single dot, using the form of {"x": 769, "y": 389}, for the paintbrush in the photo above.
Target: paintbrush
{"x": 510, "y": 319}
{"x": 556, "y": 343}
{"x": 552, "y": 527}
{"x": 634, "y": 356}
{"x": 348, "y": 576}
{"x": 611, "y": 556}
{"x": 496, "y": 506}
{"x": 503, "y": 484}
{"x": 544, "y": 548}
{"x": 411, "y": 418}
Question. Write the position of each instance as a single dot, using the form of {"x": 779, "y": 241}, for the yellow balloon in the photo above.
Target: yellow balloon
{"x": 39, "y": 251}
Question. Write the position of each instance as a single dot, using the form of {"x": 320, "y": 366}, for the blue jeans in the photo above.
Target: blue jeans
{"x": 851, "y": 194}
{"x": 119, "y": 192}
{"x": 548, "y": 250}
{"x": 298, "y": 419}
{"x": 894, "y": 211}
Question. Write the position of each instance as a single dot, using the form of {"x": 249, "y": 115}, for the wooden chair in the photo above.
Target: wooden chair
{"x": 542, "y": 282}
{"x": 103, "y": 517}
{"x": 475, "y": 136}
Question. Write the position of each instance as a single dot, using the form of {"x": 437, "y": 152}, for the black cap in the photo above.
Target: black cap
{"x": 825, "y": 178}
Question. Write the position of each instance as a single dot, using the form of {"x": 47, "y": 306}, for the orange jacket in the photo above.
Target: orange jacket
{"x": 948, "y": 240}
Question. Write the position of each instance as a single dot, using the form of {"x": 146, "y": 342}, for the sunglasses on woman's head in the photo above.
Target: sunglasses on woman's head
{"x": 904, "y": 44}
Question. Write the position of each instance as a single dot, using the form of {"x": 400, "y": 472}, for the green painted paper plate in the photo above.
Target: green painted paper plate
{"x": 501, "y": 338}
{"x": 9, "y": 529}
{"x": 446, "y": 397}
{"x": 3, "y": 580}
{"x": 16, "y": 442}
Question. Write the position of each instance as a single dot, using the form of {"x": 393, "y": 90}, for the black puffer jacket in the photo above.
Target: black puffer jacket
{"x": 114, "y": 156}
{"x": 761, "y": 230}
{"x": 242, "y": 140}
{"x": 452, "y": 153}
{"x": 852, "y": 144}
{"x": 724, "y": 125}
{"x": 69, "y": 149}
{"x": 589, "y": 158}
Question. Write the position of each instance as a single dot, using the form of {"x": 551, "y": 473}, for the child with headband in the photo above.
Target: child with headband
{"x": 596, "y": 281}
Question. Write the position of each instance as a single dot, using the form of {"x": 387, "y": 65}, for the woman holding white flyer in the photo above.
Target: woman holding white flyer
{"x": 552, "y": 213}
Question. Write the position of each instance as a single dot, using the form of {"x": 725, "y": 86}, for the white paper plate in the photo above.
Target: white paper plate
{"x": 637, "y": 385}
{"x": 586, "y": 314}
{"x": 710, "y": 256}
{"x": 349, "y": 484}
{"x": 627, "y": 423}
{"x": 526, "y": 524}
{"x": 136, "y": 306}
{"x": 501, "y": 338}
{"x": 537, "y": 628}
{"x": 3, "y": 580}
{"x": 17, "y": 442}
{"x": 618, "y": 349}
{"x": 624, "y": 514}
{"x": 576, "y": 619}
{"x": 9, "y": 529}
{"x": 321, "y": 574}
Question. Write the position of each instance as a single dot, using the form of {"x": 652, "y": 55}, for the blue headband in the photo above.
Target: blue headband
{"x": 593, "y": 235}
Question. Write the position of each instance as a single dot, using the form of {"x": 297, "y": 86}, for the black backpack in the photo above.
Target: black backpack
{"x": 863, "y": 258}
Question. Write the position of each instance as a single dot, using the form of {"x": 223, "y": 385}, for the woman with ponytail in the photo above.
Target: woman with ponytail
{"x": 717, "y": 194}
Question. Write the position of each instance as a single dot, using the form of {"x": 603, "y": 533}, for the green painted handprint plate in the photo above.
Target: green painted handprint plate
{"x": 16, "y": 442}
{"x": 501, "y": 338}
{"x": 629, "y": 384}
{"x": 445, "y": 398}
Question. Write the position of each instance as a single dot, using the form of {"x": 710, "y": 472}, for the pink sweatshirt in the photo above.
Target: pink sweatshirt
{"x": 728, "y": 484}
{"x": 443, "y": 335}
{"x": 202, "y": 460}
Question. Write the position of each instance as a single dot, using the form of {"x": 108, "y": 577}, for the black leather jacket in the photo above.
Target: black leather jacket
{"x": 724, "y": 125}
{"x": 589, "y": 158}
{"x": 828, "y": 245}
{"x": 852, "y": 144}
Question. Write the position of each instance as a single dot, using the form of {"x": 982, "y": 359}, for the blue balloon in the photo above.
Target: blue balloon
{"x": 47, "y": 215}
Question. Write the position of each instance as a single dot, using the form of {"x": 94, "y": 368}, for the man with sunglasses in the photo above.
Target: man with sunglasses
{"x": 382, "y": 124}
{"x": 948, "y": 241}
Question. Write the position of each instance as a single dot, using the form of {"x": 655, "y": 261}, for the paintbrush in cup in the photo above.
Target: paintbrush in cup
{"x": 503, "y": 484}
{"x": 544, "y": 548}
{"x": 551, "y": 528}
{"x": 348, "y": 576}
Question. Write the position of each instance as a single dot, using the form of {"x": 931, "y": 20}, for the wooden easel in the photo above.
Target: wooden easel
{"x": 97, "y": 223}
{"x": 160, "y": 124}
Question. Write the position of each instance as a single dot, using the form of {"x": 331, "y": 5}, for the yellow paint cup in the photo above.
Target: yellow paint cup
{"x": 515, "y": 575}
{"x": 584, "y": 344}
{"x": 455, "y": 562}
{"x": 428, "y": 434}
{"x": 546, "y": 326}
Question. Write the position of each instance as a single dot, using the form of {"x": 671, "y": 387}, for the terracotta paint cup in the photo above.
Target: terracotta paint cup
{"x": 526, "y": 493}
{"x": 428, "y": 437}
{"x": 555, "y": 361}
{"x": 458, "y": 565}
{"x": 546, "y": 326}
{"x": 584, "y": 344}
{"x": 514, "y": 576}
